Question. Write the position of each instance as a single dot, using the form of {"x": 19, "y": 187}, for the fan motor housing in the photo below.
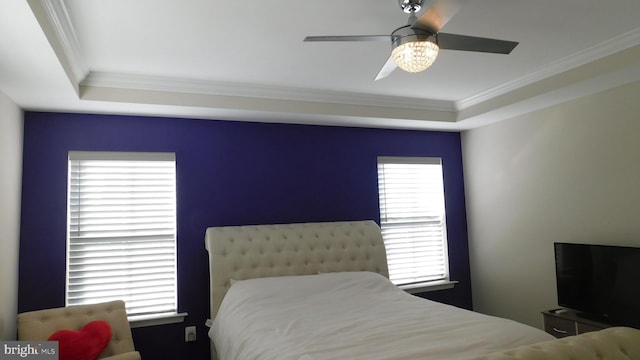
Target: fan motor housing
{"x": 410, "y": 6}
{"x": 406, "y": 34}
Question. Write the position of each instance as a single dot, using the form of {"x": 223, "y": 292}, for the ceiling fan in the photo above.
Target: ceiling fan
{"x": 415, "y": 46}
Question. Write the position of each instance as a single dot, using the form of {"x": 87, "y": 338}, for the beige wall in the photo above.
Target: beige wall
{"x": 566, "y": 173}
{"x": 10, "y": 185}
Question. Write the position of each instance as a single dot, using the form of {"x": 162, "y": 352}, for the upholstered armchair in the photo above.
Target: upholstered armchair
{"x": 41, "y": 324}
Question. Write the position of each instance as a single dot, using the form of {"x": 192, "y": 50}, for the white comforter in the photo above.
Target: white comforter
{"x": 355, "y": 315}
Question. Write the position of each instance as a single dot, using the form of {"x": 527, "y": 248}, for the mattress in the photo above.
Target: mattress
{"x": 352, "y": 315}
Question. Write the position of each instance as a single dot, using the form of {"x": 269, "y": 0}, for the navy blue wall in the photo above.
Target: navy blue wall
{"x": 228, "y": 173}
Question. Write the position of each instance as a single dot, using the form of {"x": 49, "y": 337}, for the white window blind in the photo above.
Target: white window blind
{"x": 412, "y": 219}
{"x": 122, "y": 230}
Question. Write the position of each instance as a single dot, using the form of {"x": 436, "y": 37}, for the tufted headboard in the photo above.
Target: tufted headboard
{"x": 254, "y": 251}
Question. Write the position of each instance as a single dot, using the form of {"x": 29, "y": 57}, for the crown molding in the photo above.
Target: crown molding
{"x": 56, "y": 24}
{"x": 54, "y": 19}
{"x": 205, "y": 87}
{"x": 62, "y": 32}
{"x": 602, "y": 50}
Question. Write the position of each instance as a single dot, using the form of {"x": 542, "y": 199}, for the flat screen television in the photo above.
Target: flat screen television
{"x": 600, "y": 282}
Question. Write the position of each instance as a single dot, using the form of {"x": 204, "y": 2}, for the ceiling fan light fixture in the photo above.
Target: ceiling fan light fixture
{"x": 415, "y": 56}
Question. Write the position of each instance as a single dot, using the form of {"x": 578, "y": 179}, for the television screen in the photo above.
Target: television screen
{"x": 600, "y": 281}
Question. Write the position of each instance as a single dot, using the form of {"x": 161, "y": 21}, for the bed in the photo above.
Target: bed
{"x": 317, "y": 291}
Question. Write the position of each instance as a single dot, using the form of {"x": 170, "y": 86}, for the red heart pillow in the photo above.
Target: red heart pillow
{"x": 85, "y": 344}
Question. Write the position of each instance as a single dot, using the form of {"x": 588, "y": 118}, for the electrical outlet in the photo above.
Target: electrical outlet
{"x": 190, "y": 333}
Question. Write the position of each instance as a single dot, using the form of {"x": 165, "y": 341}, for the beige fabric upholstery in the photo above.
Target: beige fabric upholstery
{"x": 617, "y": 343}
{"x": 254, "y": 251}
{"x": 40, "y": 324}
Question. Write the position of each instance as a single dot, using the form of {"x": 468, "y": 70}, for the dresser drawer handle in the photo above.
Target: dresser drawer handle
{"x": 560, "y": 331}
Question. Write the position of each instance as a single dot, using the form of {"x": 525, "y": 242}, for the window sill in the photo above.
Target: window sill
{"x": 156, "y": 319}
{"x": 428, "y": 286}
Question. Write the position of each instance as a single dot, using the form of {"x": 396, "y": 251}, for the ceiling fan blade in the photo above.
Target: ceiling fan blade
{"x": 472, "y": 43}
{"x": 387, "y": 69}
{"x": 438, "y": 14}
{"x": 349, "y": 38}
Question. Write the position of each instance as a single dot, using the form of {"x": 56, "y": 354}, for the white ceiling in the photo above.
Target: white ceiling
{"x": 247, "y": 61}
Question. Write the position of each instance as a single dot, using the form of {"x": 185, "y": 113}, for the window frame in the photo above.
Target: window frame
{"x": 420, "y": 285}
{"x": 137, "y": 319}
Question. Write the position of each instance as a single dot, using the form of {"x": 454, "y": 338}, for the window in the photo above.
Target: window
{"x": 121, "y": 240}
{"x": 412, "y": 219}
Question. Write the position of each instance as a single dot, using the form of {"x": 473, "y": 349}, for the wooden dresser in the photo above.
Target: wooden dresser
{"x": 561, "y": 323}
